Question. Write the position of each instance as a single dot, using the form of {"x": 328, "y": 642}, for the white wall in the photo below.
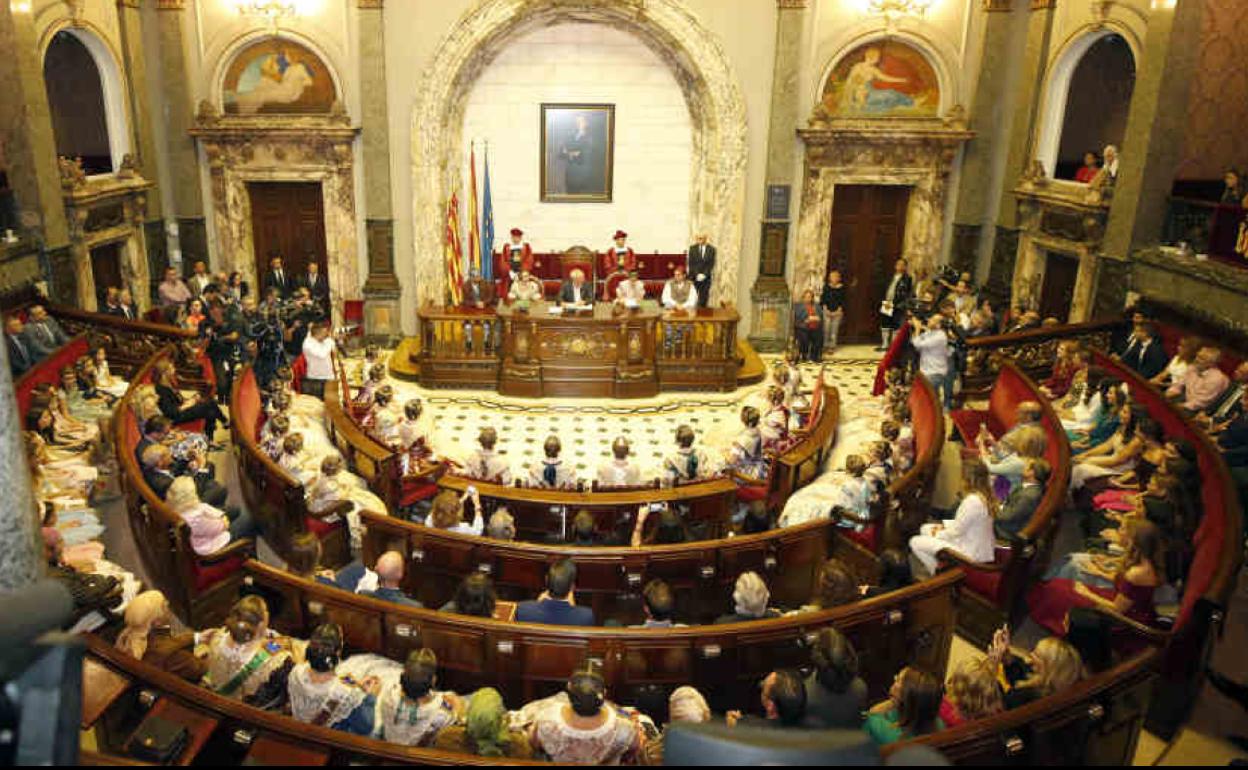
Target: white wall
{"x": 573, "y": 63}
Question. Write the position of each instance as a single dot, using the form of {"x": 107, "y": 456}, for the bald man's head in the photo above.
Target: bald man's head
{"x": 390, "y": 569}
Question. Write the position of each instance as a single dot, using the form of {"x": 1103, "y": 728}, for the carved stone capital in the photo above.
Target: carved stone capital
{"x": 135, "y": 4}
{"x": 370, "y": 5}
{"x": 997, "y": 6}
{"x": 791, "y": 5}
{"x": 1043, "y": 5}
{"x": 171, "y": 5}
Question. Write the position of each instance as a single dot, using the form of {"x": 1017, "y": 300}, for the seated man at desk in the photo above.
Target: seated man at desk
{"x": 630, "y": 292}
{"x": 526, "y": 288}
{"x": 681, "y": 297}
{"x": 576, "y": 291}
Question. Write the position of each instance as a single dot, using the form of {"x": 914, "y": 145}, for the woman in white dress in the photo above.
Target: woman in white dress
{"x": 104, "y": 379}
{"x": 246, "y": 660}
{"x": 587, "y": 729}
{"x": 334, "y": 485}
{"x": 746, "y": 456}
{"x": 322, "y": 696}
{"x": 970, "y": 531}
{"x": 1183, "y": 358}
{"x": 297, "y": 461}
{"x": 411, "y": 712}
{"x": 848, "y": 489}
{"x": 1115, "y": 455}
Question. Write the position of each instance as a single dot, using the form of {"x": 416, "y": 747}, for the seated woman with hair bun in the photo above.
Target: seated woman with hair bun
{"x": 319, "y": 696}
{"x": 411, "y": 712}
{"x": 586, "y": 729}
{"x": 246, "y": 660}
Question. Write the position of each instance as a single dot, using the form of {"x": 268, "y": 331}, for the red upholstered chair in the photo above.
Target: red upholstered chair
{"x": 299, "y": 370}
{"x": 353, "y": 317}
{"x": 421, "y": 485}
{"x": 613, "y": 282}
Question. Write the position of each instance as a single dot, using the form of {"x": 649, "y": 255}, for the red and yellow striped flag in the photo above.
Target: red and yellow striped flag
{"x": 474, "y": 218}
{"x": 454, "y": 255}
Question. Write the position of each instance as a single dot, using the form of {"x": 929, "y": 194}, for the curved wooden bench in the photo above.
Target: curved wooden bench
{"x": 238, "y": 730}
{"x": 707, "y": 500}
{"x": 200, "y": 589}
{"x": 609, "y": 579}
{"x": 1217, "y": 555}
{"x": 906, "y": 500}
{"x": 1096, "y": 722}
{"x": 1031, "y": 351}
{"x": 993, "y": 594}
{"x": 523, "y": 660}
{"x": 274, "y": 497}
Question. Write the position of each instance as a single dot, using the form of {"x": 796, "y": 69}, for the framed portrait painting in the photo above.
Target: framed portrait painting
{"x": 578, "y": 152}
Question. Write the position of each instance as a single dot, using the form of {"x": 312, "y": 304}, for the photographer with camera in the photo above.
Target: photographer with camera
{"x": 896, "y": 303}
{"x": 932, "y": 342}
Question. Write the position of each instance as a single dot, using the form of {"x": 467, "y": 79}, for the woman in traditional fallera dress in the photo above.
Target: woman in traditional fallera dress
{"x": 745, "y": 455}
{"x": 334, "y": 485}
{"x": 411, "y": 711}
{"x": 246, "y": 660}
{"x": 321, "y": 696}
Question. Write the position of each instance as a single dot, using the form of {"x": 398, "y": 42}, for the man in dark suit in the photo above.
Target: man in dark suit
{"x": 316, "y": 283}
{"x": 556, "y": 606}
{"x": 278, "y": 278}
{"x": 1023, "y": 500}
{"x": 478, "y": 292}
{"x": 21, "y": 355}
{"x": 43, "y": 333}
{"x": 126, "y": 308}
{"x": 1144, "y": 352}
{"x": 389, "y": 569}
{"x": 575, "y": 291}
{"x": 896, "y": 303}
{"x": 701, "y": 260}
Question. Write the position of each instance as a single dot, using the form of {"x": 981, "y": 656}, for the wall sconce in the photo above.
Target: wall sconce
{"x": 273, "y": 11}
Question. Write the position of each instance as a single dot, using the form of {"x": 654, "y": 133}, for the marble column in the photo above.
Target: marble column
{"x": 179, "y": 114}
{"x": 1020, "y": 145}
{"x": 143, "y": 139}
{"x": 1153, "y": 145}
{"x": 769, "y": 327}
{"x": 382, "y": 286}
{"x": 989, "y": 120}
{"x": 21, "y": 553}
{"x": 26, "y": 127}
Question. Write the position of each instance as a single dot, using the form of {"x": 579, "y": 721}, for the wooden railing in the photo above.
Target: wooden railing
{"x": 1032, "y": 351}
{"x": 609, "y": 579}
{"x": 913, "y": 625}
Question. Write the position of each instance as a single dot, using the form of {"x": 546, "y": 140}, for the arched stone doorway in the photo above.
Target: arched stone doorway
{"x": 712, "y": 92}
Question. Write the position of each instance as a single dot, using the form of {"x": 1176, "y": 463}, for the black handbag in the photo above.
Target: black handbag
{"x": 159, "y": 740}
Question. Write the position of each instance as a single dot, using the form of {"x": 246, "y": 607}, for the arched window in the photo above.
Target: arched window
{"x": 86, "y": 100}
{"x": 1089, "y": 96}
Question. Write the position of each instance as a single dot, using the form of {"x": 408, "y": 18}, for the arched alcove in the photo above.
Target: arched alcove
{"x": 711, "y": 90}
{"x": 86, "y": 98}
{"x": 1087, "y": 99}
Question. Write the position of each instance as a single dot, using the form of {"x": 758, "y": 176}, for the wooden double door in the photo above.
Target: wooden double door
{"x": 288, "y": 221}
{"x": 868, "y": 233}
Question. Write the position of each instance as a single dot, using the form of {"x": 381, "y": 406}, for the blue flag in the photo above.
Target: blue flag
{"x": 487, "y": 226}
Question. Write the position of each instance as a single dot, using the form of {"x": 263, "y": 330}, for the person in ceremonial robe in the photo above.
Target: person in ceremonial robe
{"x": 620, "y": 258}
{"x": 631, "y": 292}
{"x": 620, "y": 471}
{"x": 516, "y": 257}
{"x": 527, "y": 288}
{"x": 246, "y": 660}
{"x": 701, "y": 259}
{"x": 687, "y": 463}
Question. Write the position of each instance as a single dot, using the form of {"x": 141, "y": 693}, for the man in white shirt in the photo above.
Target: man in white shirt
{"x": 631, "y": 292}
{"x": 619, "y": 472}
{"x": 932, "y": 345}
{"x": 318, "y": 350}
{"x": 681, "y": 297}
{"x": 199, "y": 279}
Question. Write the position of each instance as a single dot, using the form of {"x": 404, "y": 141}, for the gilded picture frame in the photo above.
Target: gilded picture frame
{"x": 578, "y": 153}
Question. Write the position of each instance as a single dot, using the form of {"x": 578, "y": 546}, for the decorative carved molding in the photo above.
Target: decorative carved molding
{"x": 996, "y": 6}
{"x": 135, "y": 4}
{"x": 791, "y": 5}
{"x": 1043, "y": 5}
{"x": 370, "y": 5}
{"x": 170, "y": 5}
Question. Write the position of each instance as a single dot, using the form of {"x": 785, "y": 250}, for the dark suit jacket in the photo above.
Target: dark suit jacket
{"x": 159, "y": 482}
{"x": 46, "y": 335}
{"x": 901, "y": 297}
{"x": 130, "y": 312}
{"x": 21, "y": 356}
{"x": 319, "y": 289}
{"x": 169, "y": 401}
{"x": 284, "y": 286}
{"x": 1148, "y": 360}
{"x": 479, "y": 289}
{"x": 392, "y": 595}
{"x": 555, "y": 612}
{"x": 699, "y": 263}
{"x": 566, "y": 295}
{"x": 1017, "y": 509}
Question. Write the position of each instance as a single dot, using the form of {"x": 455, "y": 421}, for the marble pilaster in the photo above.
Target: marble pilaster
{"x": 769, "y": 327}
{"x": 1029, "y": 88}
{"x": 179, "y": 115}
{"x": 134, "y": 64}
{"x": 21, "y": 552}
{"x": 976, "y": 191}
{"x": 1153, "y": 145}
{"x": 26, "y": 128}
{"x": 382, "y": 286}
